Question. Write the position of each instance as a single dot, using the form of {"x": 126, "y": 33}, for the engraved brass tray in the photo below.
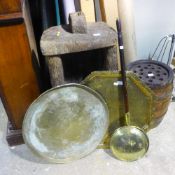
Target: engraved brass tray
{"x": 66, "y": 123}
{"x": 108, "y": 84}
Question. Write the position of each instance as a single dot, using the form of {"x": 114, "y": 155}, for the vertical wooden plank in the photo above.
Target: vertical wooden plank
{"x": 7, "y": 6}
{"x": 87, "y": 6}
{"x": 18, "y": 82}
{"x": 98, "y": 16}
{"x": 109, "y": 12}
{"x": 56, "y": 70}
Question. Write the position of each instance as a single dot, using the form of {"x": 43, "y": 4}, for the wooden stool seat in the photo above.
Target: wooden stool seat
{"x": 77, "y": 37}
{"x": 59, "y": 40}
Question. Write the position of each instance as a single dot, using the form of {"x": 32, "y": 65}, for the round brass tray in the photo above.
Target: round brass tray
{"x": 65, "y": 123}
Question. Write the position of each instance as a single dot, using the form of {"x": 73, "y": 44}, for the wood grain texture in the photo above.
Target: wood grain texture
{"x": 29, "y": 28}
{"x": 10, "y": 6}
{"x": 111, "y": 60}
{"x": 77, "y": 22}
{"x": 162, "y": 100}
{"x": 11, "y": 19}
{"x": 98, "y": 16}
{"x": 87, "y": 6}
{"x": 56, "y": 70}
{"x": 109, "y": 12}
{"x": 59, "y": 40}
{"x": 10, "y": 16}
{"x": 18, "y": 84}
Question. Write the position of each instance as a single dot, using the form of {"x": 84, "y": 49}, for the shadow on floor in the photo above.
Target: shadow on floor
{"x": 23, "y": 152}
{"x": 108, "y": 151}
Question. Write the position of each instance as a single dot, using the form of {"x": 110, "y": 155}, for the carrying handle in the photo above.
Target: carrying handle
{"x": 123, "y": 71}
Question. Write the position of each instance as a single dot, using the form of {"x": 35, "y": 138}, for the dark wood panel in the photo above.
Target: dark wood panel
{"x": 19, "y": 86}
{"x": 10, "y": 6}
{"x": 14, "y": 137}
{"x": 11, "y": 18}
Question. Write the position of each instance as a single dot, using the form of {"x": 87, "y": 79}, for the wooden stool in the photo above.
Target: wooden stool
{"x": 78, "y": 36}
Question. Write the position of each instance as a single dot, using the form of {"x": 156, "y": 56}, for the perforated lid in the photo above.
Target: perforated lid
{"x": 153, "y": 73}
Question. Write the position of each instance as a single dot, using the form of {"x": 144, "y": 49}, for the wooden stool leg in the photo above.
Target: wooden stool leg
{"x": 111, "y": 58}
{"x": 55, "y": 70}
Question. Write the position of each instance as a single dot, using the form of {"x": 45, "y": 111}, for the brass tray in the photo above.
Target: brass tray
{"x": 108, "y": 84}
{"x": 65, "y": 123}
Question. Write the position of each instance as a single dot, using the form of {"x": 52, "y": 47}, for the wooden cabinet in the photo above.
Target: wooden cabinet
{"x": 18, "y": 82}
{"x": 10, "y": 6}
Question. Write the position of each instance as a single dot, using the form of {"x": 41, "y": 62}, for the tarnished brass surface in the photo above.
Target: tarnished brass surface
{"x": 66, "y": 123}
{"x": 140, "y": 100}
{"x": 129, "y": 143}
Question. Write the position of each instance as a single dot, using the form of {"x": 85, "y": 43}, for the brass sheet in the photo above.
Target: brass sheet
{"x": 140, "y": 100}
{"x": 66, "y": 123}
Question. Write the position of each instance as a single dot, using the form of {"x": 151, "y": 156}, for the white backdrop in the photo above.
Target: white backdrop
{"x": 153, "y": 20}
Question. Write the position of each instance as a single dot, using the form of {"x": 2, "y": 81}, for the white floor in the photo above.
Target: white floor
{"x": 160, "y": 159}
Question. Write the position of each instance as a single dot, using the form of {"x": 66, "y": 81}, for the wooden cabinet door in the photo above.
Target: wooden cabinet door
{"x": 10, "y": 6}
{"x": 18, "y": 82}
